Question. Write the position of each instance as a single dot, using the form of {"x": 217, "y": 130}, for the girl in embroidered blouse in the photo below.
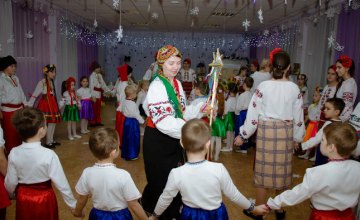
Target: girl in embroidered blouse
{"x": 275, "y": 111}
{"x": 48, "y": 104}
{"x": 345, "y": 68}
{"x": 166, "y": 110}
{"x": 71, "y": 113}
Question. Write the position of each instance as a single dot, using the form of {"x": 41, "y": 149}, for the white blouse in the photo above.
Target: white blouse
{"x": 97, "y": 81}
{"x": 348, "y": 93}
{"x": 151, "y": 71}
{"x": 305, "y": 96}
{"x": 201, "y": 186}
{"x": 2, "y": 141}
{"x": 11, "y": 92}
{"x": 140, "y": 97}
{"x": 130, "y": 110}
{"x": 110, "y": 188}
{"x": 275, "y": 100}
{"x": 41, "y": 88}
{"x": 157, "y": 106}
{"x": 84, "y": 93}
{"x": 332, "y": 186}
{"x": 67, "y": 99}
{"x": 259, "y": 77}
{"x": 314, "y": 112}
{"x": 230, "y": 105}
{"x": 31, "y": 163}
{"x": 328, "y": 92}
{"x": 187, "y": 75}
{"x": 243, "y": 101}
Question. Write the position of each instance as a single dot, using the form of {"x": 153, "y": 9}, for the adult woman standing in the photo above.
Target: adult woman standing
{"x": 345, "y": 68}
{"x": 276, "y": 112}
{"x": 165, "y": 106}
{"x": 48, "y": 104}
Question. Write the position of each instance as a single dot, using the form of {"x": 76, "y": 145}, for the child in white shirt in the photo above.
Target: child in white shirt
{"x": 201, "y": 182}
{"x": 112, "y": 189}
{"x": 86, "y": 111}
{"x": 130, "y": 146}
{"x": 333, "y": 188}
{"x": 229, "y": 120}
{"x": 32, "y": 168}
{"x": 143, "y": 88}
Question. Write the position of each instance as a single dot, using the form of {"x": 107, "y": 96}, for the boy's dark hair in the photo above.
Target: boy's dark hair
{"x": 195, "y": 134}
{"x": 203, "y": 87}
{"x": 27, "y": 122}
{"x": 343, "y": 136}
{"x": 103, "y": 141}
{"x": 249, "y": 82}
{"x": 338, "y": 104}
{"x": 281, "y": 61}
{"x": 244, "y": 68}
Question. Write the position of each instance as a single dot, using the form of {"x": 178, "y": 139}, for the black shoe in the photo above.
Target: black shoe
{"x": 55, "y": 143}
{"x": 92, "y": 125}
{"x": 280, "y": 215}
{"x": 255, "y": 217}
{"x": 50, "y": 146}
{"x": 99, "y": 124}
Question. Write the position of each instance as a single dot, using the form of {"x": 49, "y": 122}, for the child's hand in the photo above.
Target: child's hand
{"x": 152, "y": 217}
{"x": 260, "y": 210}
{"x": 78, "y": 214}
{"x": 238, "y": 141}
{"x": 297, "y": 146}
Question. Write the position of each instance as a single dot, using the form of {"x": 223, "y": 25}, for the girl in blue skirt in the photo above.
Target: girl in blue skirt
{"x": 201, "y": 182}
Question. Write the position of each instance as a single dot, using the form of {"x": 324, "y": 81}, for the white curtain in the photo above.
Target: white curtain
{"x": 6, "y": 25}
{"x": 316, "y": 56}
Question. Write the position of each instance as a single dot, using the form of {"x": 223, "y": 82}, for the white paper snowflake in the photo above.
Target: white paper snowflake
{"x": 260, "y": 16}
{"x": 266, "y": 32}
{"x": 29, "y": 35}
{"x": 194, "y": 11}
{"x": 95, "y": 23}
{"x": 155, "y": 16}
{"x": 44, "y": 23}
{"x": 330, "y": 13}
{"x": 246, "y": 24}
{"x": 116, "y": 3}
{"x": 11, "y": 40}
{"x": 338, "y": 47}
{"x": 119, "y": 33}
{"x": 331, "y": 41}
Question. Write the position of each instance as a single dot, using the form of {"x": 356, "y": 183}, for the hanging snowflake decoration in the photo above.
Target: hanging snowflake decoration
{"x": 260, "y": 16}
{"x": 330, "y": 13}
{"x": 155, "y": 16}
{"x": 44, "y": 23}
{"x": 116, "y": 3}
{"x": 29, "y": 35}
{"x": 338, "y": 47}
{"x": 331, "y": 41}
{"x": 194, "y": 11}
{"x": 119, "y": 33}
{"x": 11, "y": 40}
{"x": 246, "y": 24}
{"x": 95, "y": 23}
{"x": 266, "y": 32}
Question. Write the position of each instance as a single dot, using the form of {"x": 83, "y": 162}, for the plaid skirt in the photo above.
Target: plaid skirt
{"x": 273, "y": 159}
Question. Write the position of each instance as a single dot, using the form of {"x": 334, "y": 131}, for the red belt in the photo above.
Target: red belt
{"x": 88, "y": 99}
{"x": 347, "y": 214}
{"x": 12, "y": 105}
{"x": 150, "y": 123}
{"x": 42, "y": 185}
{"x": 98, "y": 89}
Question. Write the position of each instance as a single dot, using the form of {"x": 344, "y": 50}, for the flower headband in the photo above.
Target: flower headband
{"x": 345, "y": 61}
{"x": 273, "y": 52}
{"x": 47, "y": 68}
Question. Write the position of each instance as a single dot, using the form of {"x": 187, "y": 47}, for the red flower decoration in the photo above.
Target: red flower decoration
{"x": 254, "y": 104}
{"x": 168, "y": 109}
{"x": 253, "y": 122}
{"x": 273, "y": 52}
{"x": 159, "y": 111}
{"x": 346, "y": 61}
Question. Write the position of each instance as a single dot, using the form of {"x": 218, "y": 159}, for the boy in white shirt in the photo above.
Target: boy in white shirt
{"x": 111, "y": 189}
{"x": 333, "y": 188}
{"x": 201, "y": 182}
{"x": 32, "y": 168}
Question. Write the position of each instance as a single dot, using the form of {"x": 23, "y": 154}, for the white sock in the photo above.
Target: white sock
{"x": 73, "y": 127}
{"x": 217, "y": 148}
{"x": 69, "y": 128}
{"x": 230, "y": 135}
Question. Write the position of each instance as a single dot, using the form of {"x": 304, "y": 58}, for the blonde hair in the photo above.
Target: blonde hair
{"x": 103, "y": 141}
{"x": 130, "y": 90}
{"x": 264, "y": 64}
{"x": 195, "y": 134}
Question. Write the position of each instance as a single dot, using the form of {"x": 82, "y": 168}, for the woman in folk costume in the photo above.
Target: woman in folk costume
{"x": 345, "y": 68}
{"x": 166, "y": 110}
{"x": 97, "y": 87}
{"x": 124, "y": 73}
{"x": 48, "y": 104}
{"x": 276, "y": 112}
{"x": 12, "y": 98}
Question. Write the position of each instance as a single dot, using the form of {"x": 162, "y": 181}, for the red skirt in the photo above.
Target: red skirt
{"x": 347, "y": 214}
{"x": 49, "y": 107}
{"x": 11, "y": 136}
{"x": 4, "y": 198}
{"x": 187, "y": 86}
{"x": 36, "y": 201}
